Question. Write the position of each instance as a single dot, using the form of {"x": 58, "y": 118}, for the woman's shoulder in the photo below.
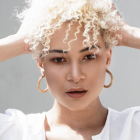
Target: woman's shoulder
{"x": 17, "y": 115}
{"x": 131, "y": 111}
{"x": 16, "y": 122}
{"x": 125, "y": 120}
{"x": 134, "y": 114}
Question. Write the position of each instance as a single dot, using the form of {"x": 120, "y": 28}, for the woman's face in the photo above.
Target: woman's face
{"x": 75, "y": 69}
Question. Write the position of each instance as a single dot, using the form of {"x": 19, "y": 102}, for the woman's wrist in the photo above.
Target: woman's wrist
{"x": 19, "y": 43}
{"x": 12, "y": 46}
{"x": 131, "y": 37}
{"x": 24, "y": 46}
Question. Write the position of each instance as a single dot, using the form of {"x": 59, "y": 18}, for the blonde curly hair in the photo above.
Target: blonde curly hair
{"x": 44, "y": 17}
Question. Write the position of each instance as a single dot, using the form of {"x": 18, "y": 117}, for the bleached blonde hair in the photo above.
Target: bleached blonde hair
{"x": 44, "y": 17}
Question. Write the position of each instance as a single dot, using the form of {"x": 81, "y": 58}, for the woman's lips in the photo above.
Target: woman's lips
{"x": 76, "y": 89}
{"x": 76, "y": 94}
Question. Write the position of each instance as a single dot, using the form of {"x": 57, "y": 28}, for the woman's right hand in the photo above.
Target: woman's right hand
{"x": 20, "y": 38}
{"x": 13, "y": 46}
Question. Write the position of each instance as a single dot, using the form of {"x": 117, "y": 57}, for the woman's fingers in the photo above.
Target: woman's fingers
{"x": 119, "y": 34}
{"x": 118, "y": 14}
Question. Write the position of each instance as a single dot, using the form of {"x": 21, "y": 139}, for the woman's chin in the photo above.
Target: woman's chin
{"x": 76, "y": 107}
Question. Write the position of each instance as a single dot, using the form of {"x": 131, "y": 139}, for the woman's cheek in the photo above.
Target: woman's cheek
{"x": 97, "y": 71}
{"x": 55, "y": 76}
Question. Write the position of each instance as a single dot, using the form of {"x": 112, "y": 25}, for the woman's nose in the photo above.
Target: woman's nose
{"x": 75, "y": 73}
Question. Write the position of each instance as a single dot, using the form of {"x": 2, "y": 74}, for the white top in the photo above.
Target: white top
{"x": 15, "y": 125}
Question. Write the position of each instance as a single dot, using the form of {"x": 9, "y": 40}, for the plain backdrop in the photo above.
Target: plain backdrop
{"x": 19, "y": 75}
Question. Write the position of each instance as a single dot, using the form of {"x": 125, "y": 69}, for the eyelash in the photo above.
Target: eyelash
{"x": 93, "y": 57}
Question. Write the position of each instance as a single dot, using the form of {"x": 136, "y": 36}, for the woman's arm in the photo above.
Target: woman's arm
{"x": 12, "y": 46}
{"x": 131, "y": 37}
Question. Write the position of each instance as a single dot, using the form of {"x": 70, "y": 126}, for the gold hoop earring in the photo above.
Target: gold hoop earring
{"x": 38, "y": 85}
{"x": 111, "y": 79}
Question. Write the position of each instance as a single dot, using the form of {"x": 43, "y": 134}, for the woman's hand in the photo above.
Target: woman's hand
{"x": 21, "y": 40}
{"x": 122, "y": 31}
{"x": 130, "y": 35}
{"x": 13, "y": 46}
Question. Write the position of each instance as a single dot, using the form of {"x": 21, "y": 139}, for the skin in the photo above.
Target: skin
{"x": 87, "y": 115}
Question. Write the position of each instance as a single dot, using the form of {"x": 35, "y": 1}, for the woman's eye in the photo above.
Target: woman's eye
{"x": 87, "y": 57}
{"x": 58, "y": 59}
{"x": 90, "y": 56}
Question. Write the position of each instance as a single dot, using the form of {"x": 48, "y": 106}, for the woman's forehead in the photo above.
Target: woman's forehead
{"x": 60, "y": 34}
{"x": 61, "y": 51}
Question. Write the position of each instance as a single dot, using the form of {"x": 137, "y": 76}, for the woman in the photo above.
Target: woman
{"x": 72, "y": 42}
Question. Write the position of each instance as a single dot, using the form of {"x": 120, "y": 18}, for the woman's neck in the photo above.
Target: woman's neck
{"x": 91, "y": 117}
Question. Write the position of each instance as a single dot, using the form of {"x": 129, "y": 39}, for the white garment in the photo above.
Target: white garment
{"x": 15, "y": 125}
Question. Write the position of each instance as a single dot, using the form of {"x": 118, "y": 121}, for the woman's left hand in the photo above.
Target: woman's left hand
{"x": 122, "y": 31}
{"x": 130, "y": 35}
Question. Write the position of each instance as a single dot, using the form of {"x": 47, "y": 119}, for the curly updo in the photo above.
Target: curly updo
{"x": 44, "y": 17}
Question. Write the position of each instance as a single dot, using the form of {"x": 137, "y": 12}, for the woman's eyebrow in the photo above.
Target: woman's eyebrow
{"x": 83, "y": 50}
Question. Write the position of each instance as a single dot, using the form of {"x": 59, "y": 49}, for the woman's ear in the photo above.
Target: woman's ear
{"x": 40, "y": 66}
{"x": 108, "y": 57}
